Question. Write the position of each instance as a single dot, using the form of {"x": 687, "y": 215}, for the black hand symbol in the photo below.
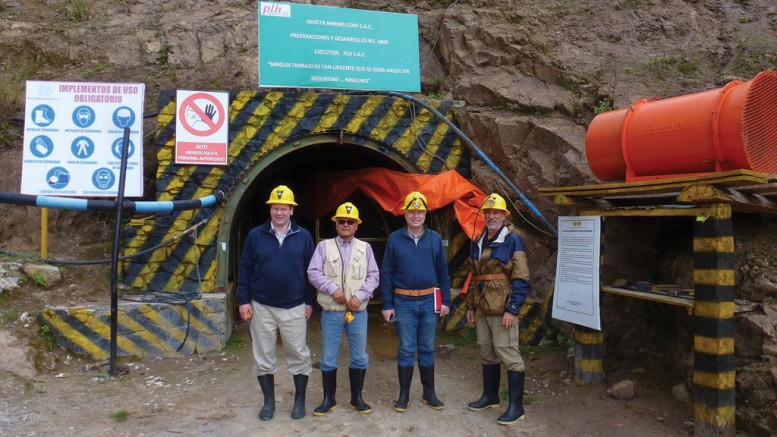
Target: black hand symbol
{"x": 210, "y": 111}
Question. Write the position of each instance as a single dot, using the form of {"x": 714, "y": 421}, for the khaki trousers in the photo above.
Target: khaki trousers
{"x": 266, "y": 323}
{"x": 498, "y": 344}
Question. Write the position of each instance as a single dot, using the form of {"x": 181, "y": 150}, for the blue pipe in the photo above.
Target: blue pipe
{"x": 109, "y": 205}
{"x": 479, "y": 154}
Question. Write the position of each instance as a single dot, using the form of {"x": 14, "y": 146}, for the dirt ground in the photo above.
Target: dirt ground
{"x": 216, "y": 394}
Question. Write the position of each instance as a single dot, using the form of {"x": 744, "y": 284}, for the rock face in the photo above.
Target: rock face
{"x": 529, "y": 76}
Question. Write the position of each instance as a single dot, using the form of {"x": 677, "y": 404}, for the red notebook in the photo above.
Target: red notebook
{"x": 437, "y": 300}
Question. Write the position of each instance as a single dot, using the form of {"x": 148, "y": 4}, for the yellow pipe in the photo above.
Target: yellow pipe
{"x": 44, "y": 233}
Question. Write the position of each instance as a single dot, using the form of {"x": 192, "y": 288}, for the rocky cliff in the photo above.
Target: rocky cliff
{"x": 528, "y": 77}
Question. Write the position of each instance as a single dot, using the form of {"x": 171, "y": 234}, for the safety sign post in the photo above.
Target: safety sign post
{"x": 73, "y": 138}
{"x": 201, "y": 128}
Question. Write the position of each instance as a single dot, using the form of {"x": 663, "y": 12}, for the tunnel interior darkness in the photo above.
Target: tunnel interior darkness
{"x": 297, "y": 169}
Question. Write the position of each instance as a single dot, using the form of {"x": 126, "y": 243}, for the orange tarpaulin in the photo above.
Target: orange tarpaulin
{"x": 389, "y": 188}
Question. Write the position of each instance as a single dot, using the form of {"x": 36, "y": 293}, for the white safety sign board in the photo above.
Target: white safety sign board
{"x": 201, "y": 127}
{"x": 576, "y": 294}
{"x": 73, "y": 138}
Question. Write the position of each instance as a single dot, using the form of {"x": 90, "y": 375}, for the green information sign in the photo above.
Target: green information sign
{"x": 326, "y": 47}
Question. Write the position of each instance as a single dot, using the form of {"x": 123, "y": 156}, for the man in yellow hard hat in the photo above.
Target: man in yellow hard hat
{"x": 274, "y": 294}
{"x": 498, "y": 289}
{"x": 413, "y": 278}
{"x": 345, "y": 273}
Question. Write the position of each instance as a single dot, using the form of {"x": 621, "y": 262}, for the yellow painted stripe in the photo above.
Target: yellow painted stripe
{"x": 713, "y": 346}
{"x": 409, "y": 137}
{"x": 74, "y": 336}
{"x": 142, "y": 332}
{"x": 723, "y": 277}
{"x": 362, "y": 114}
{"x": 714, "y": 310}
{"x": 589, "y": 366}
{"x": 332, "y": 113}
{"x": 282, "y": 129}
{"x": 722, "y": 211}
{"x": 720, "y": 417}
{"x": 454, "y": 156}
{"x": 390, "y": 119}
{"x": 589, "y": 338}
{"x": 174, "y": 331}
{"x": 718, "y": 381}
{"x": 715, "y": 244}
{"x": 425, "y": 160}
{"x": 91, "y": 321}
{"x": 205, "y": 238}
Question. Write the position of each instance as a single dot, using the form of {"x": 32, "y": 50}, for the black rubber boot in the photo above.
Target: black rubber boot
{"x": 515, "y": 411}
{"x": 405, "y": 376}
{"x": 427, "y": 382}
{"x": 490, "y": 398}
{"x": 329, "y": 381}
{"x": 300, "y": 385}
{"x": 267, "y": 384}
{"x": 357, "y": 383}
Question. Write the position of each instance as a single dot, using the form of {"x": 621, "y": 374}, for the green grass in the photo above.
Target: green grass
{"x": 234, "y": 343}
{"x": 78, "y": 10}
{"x": 120, "y": 416}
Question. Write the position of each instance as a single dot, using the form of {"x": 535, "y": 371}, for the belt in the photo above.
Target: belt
{"x": 414, "y": 293}
{"x": 490, "y": 277}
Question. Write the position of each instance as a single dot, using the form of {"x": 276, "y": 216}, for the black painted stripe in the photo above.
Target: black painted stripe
{"x": 715, "y": 328}
{"x": 312, "y": 116}
{"x": 711, "y": 363}
{"x": 714, "y": 293}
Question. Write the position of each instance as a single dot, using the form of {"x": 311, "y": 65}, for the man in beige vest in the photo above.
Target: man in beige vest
{"x": 344, "y": 271}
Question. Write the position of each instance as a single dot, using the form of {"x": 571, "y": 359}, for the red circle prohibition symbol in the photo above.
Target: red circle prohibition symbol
{"x": 213, "y": 126}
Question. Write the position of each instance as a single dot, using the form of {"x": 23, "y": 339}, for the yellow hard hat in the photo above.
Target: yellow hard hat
{"x": 281, "y": 194}
{"x": 495, "y": 201}
{"x": 415, "y": 201}
{"x": 347, "y": 210}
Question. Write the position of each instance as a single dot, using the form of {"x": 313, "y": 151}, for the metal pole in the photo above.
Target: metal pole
{"x": 115, "y": 254}
{"x": 44, "y": 233}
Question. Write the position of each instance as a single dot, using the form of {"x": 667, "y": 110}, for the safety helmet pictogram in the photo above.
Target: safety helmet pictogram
{"x": 347, "y": 210}
{"x": 415, "y": 201}
{"x": 494, "y": 201}
{"x": 281, "y": 194}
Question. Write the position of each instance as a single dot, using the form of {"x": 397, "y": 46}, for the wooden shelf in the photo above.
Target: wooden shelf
{"x": 686, "y": 302}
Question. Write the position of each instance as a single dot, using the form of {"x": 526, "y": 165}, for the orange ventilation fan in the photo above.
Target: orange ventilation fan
{"x": 728, "y": 128}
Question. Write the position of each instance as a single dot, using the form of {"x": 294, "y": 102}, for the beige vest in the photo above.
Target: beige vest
{"x": 349, "y": 280}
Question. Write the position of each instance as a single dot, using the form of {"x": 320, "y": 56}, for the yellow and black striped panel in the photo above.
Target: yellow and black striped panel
{"x": 713, "y": 322}
{"x": 588, "y": 355}
{"x": 259, "y": 123}
{"x": 143, "y": 329}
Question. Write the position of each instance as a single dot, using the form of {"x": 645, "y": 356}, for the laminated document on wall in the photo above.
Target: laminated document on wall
{"x": 576, "y": 294}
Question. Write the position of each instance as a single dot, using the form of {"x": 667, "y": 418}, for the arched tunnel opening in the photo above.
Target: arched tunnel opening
{"x": 296, "y": 165}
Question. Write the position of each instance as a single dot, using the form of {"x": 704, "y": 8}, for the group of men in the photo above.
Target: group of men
{"x": 282, "y": 274}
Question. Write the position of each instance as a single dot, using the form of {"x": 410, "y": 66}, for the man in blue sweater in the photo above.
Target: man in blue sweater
{"x": 274, "y": 294}
{"x": 414, "y": 267}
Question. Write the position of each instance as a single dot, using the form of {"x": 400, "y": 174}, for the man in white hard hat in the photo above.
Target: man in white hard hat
{"x": 413, "y": 273}
{"x": 274, "y": 294}
{"x": 344, "y": 272}
{"x": 498, "y": 289}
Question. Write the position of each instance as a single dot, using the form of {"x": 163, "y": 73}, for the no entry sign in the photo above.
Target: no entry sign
{"x": 201, "y": 128}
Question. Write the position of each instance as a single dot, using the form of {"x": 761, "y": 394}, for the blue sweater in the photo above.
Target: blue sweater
{"x": 414, "y": 267}
{"x": 273, "y": 274}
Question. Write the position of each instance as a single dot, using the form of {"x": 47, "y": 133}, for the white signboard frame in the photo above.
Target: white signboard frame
{"x": 576, "y": 294}
{"x": 201, "y": 127}
{"x": 73, "y": 138}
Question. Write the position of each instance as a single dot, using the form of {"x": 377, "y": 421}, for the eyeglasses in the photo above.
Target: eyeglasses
{"x": 346, "y": 222}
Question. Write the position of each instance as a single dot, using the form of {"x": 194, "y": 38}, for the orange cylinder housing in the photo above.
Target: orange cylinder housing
{"x": 728, "y": 128}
